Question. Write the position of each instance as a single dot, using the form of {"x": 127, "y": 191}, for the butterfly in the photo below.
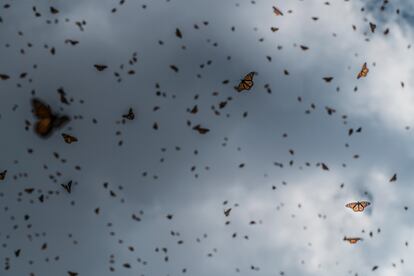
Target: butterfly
{"x": 393, "y": 178}
{"x": 67, "y": 187}
{"x": 47, "y": 121}
{"x": 71, "y": 273}
{"x": 3, "y": 175}
{"x": 352, "y": 240}
{"x": 246, "y": 83}
{"x": 69, "y": 139}
{"x": 227, "y": 212}
{"x": 372, "y": 26}
{"x": 201, "y": 129}
{"x": 277, "y": 11}
{"x": 100, "y": 67}
{"x": 130, "y": 115}
{"x": 328, "y": 79}
{"x": 364, "y": 71}
{"x": 358, "y": 206}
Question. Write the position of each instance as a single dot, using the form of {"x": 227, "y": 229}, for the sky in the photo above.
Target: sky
{"x": 149, "y": 195}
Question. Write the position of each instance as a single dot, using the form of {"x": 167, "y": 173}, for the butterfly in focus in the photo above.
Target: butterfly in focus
{"x": 246, "y": 83}
{"x": 358, "y": 206}
{"x": 69, "y": 139}
{"x": 352, "y": 240}
{"x": 67, "y": 187}
{"x": 277, "y": 11}
{"x": 47, "y": 120}
{"x": 364, "y": 71}
{"x": 3, "y": 175}
{"x": 130, "y": 115}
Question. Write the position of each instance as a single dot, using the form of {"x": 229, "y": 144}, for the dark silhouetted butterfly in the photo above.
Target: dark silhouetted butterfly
{"x": 393, "y": 178}
{"x": 100, "y": 67}
{"x": 200, "y": 129}
{"x": 47, "y": 121}
{"x": 3, "y": 175}
{"x": 227, "y": 212}
{"x": 67, "y": 187}
{"x": 130, "y": 115}
{"x": 69, "y": 139}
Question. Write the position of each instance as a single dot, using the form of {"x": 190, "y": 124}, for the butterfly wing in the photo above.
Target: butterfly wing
{"x": 40, "y": 109}
{"x": 44, "y": 127}
{"x": 351, "y": 205}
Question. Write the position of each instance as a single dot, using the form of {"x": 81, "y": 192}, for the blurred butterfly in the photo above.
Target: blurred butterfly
{"x": 69, "y": 139}
{"x": 328, "y": 79}
{"x": 3, "y": 175}
{"x": 246, "y": 83}
{"x": 358, "y": 206}
{"x": 130, "y": 115}
{"x": 372, "y": 26}
{"x": 100, "y": 67}
{"x": 227, "y": 212}
{"x": 201, "y": 129}
{"x": 352, "y": 240}
{"x": 277, "y": 11}
{"x": 67, "y": 187}
{"x": 70, "y": 273}
{"x": 47, "y": 121}
{"x": 364, "y": 71}
{"x": 393, "y": 178}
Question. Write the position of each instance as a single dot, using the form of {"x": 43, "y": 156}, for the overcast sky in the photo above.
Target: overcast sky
{"x": 162, "y": 192}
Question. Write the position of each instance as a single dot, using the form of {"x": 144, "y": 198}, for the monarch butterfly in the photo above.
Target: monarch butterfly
{"x": 277, "y": 11}
{"x": 69, "y": 139}
{"x": 130, "y": 115}
{"x": 201, "y": 129}
{"x": 364, "y": 71}
{"x": 3, "y": 175}
{"x": 358, "y": 206}
{"x": 352, "y": 240}
{"x": 47, "y": 121}
{"x": 246, "y": 83}
{"x": 67, "y": 187}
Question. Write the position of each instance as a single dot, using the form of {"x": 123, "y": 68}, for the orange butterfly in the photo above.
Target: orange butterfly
{"x": 358, "y": 206}
{"x": 352, "y": 240}
{"x": 69, "y": 139}
{"x": 277, "y": 11}
{"x": 364, "y": 71}
{"x": 47, "y": 121}
{"x": 246, "y": 83}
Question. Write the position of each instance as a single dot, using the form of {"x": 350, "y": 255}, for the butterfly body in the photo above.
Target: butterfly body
{"x": 358, "y": 206}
